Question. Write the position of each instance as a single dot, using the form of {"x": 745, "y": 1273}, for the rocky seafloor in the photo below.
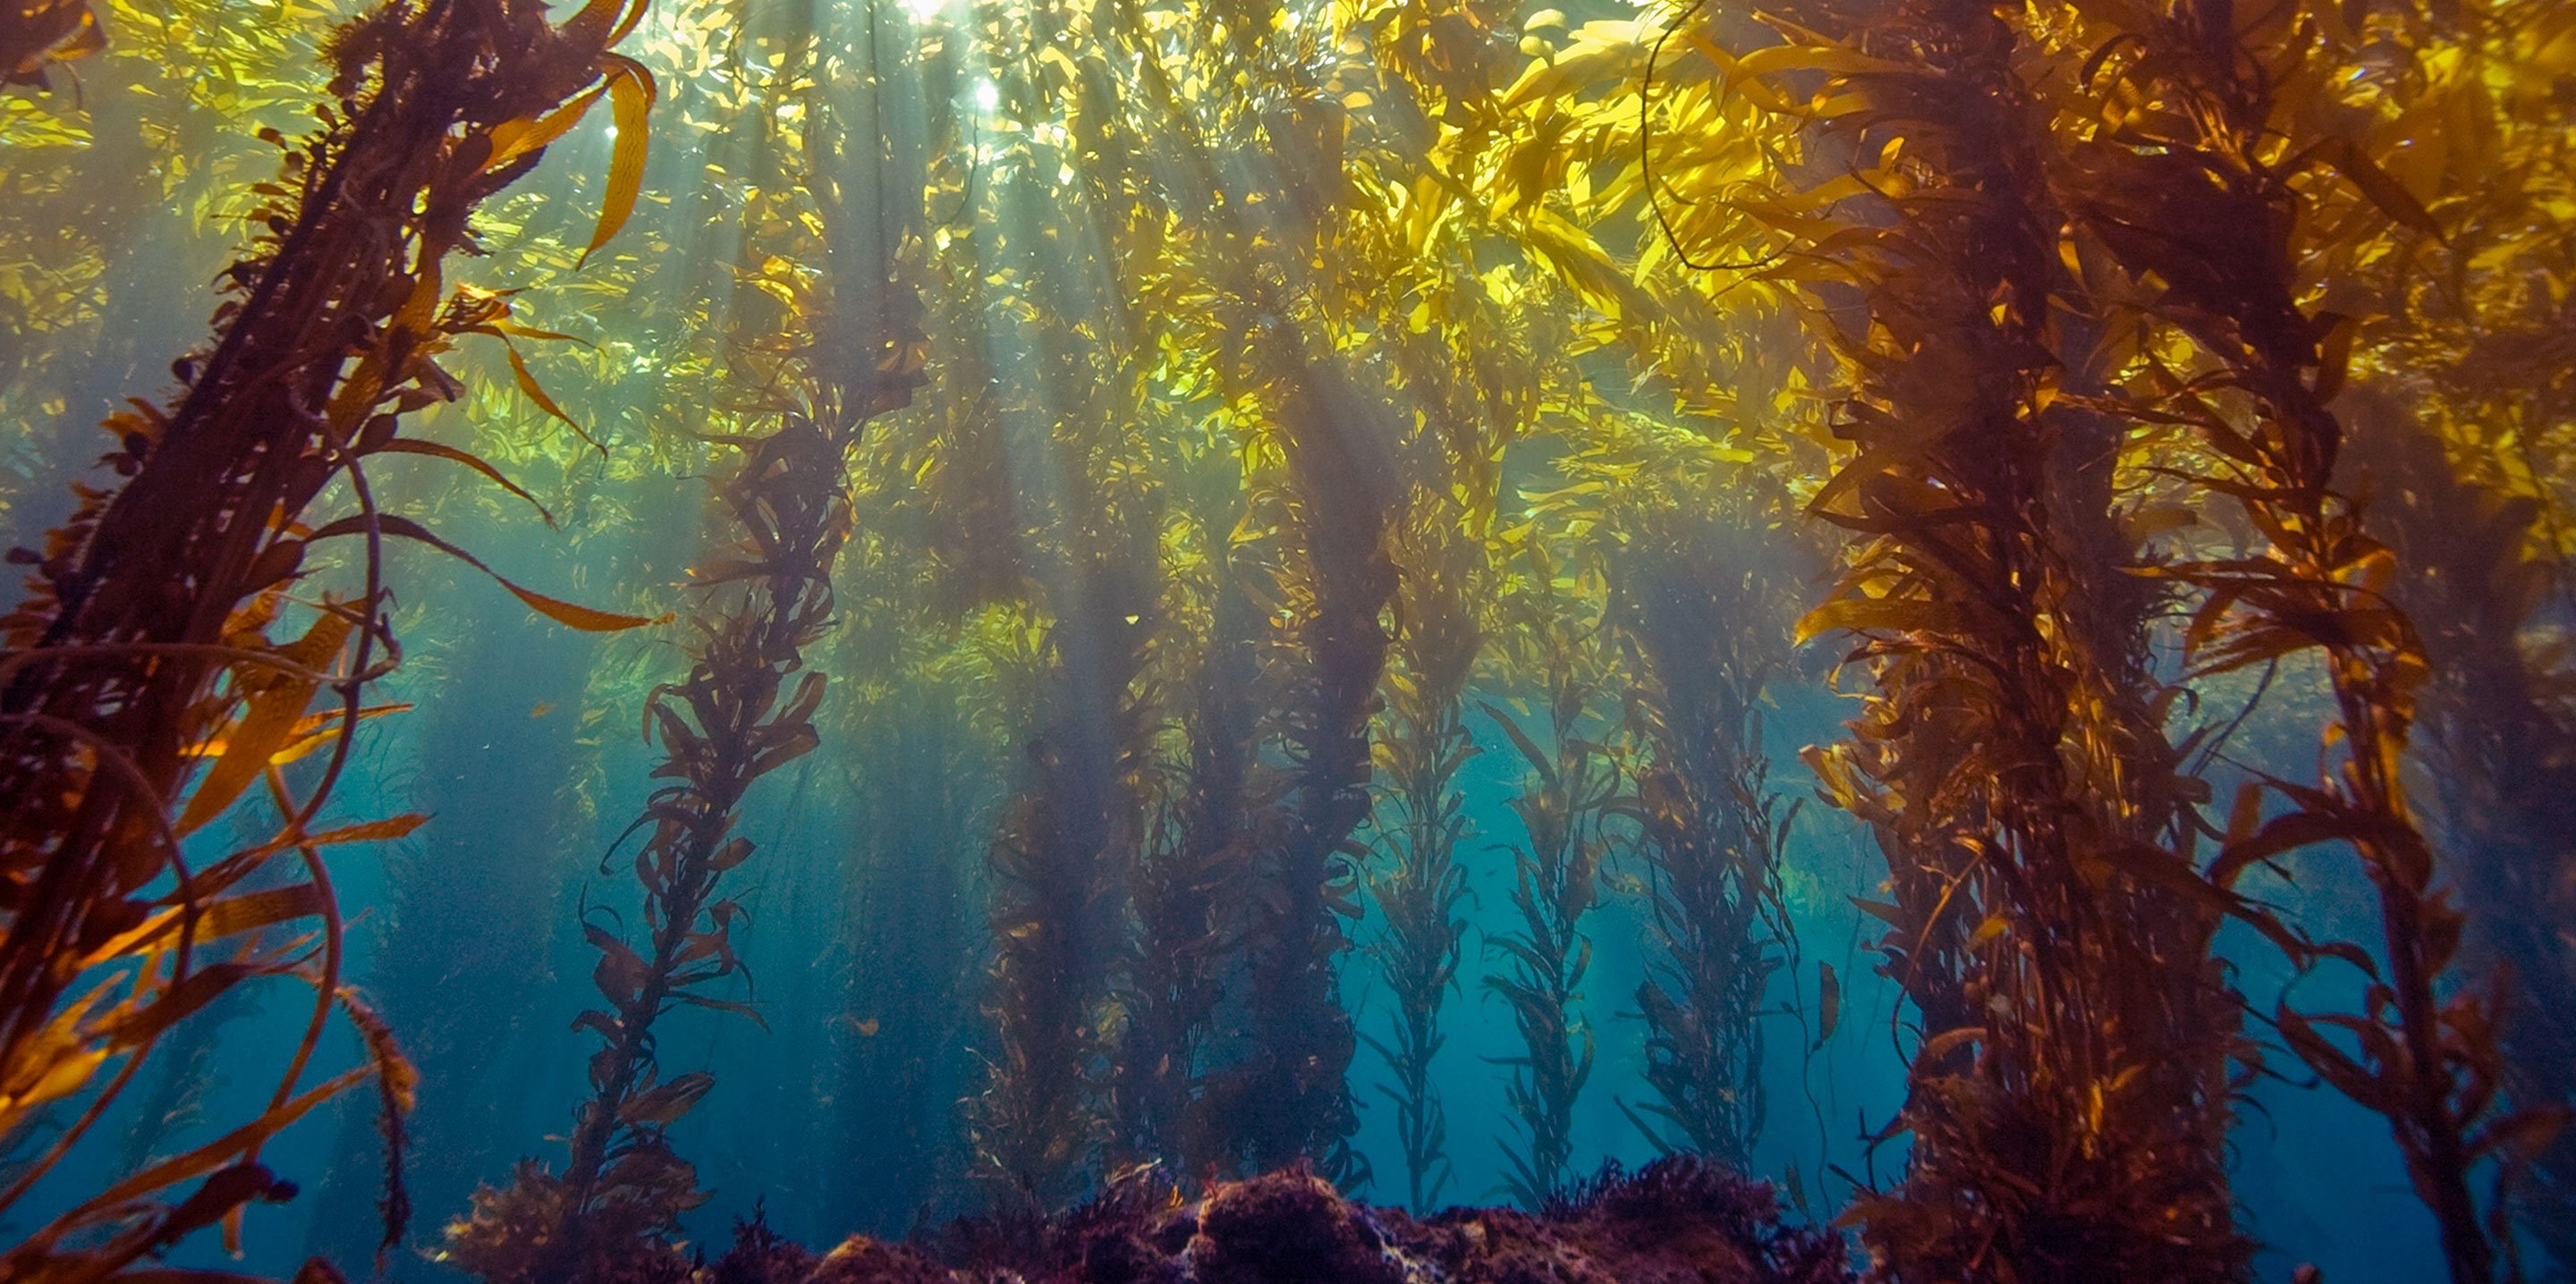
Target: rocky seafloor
{"x": 1678, "y": 1221}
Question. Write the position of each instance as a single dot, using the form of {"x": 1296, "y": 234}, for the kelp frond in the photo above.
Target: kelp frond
{"x": 143, "y": 650}
{"x": 1569, "y": 786}
{"x": 1419, "y": 882}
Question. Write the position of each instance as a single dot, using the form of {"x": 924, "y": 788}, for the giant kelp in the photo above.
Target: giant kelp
{"x": 36, "y": 34}
{"x": 745, "y": 708}
{"x": 2498, "y": 740}
{"x": 2428, "y": 1060}
{"x": 1293, "y": 1096}
{"x": 1704, "y": 622}
{"x": 479, "y": 876}
{"x": 143, "y": 648}
{"x": 1204, "y": 834}
{"x": 1060, "y": 859}
{"x": 1291, "y": 335}
{"x": 1421, "y": 880}
{"x": 850, "y": 352}
{"x": 2069, "y": 1091}
{"x": 1569, "y": 786}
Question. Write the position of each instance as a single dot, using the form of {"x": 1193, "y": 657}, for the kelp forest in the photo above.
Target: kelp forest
{"x": 1237, "y": 641}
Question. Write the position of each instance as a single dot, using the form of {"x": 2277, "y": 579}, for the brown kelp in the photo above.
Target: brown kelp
{"x": 35, "y": 34}
{"x": 1419, "y": 881}
{"x": 744, "y": 709}
{"x": 2215, "y": 220}
{"x": 1568, "y": 788}
{"x": 1703, "y": 620}
{"x": 848, "y": 350}
{"x": 1292, "y": 1098}
{"x": 479, "y": 874}
{"x": 1073, "y": 837}
{"x": 2497, "y": 736}
{"x": 2069, "y": 1094}
{"x": 1203, "y": 840}
{"x": 1060, "y": 862}
{"x": 142, "y": 650}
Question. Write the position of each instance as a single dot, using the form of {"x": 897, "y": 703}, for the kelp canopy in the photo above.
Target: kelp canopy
{"x": 850, "y": 615}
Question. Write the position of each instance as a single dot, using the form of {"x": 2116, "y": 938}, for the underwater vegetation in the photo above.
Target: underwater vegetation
{"x": 1179, "y": 632}
{"x": 1677, "y": 1219}
{"x": 143, "y": 648}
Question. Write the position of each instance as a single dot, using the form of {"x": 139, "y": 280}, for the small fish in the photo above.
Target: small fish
{"x": 867, "y": 1027}
{"x": 1829, "y": 1003}
{"x": 541, "y": 710}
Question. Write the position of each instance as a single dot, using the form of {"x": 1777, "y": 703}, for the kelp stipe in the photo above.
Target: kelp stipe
{"x": 37, "y": 34}
{"x": 2216, "y": 220}
{"x": 2068, "y": 1098}
{"x": 1419, "y": 880}
{"x": 1060, "y": 864}
{"x": 1185, "y": 928}
{"x": 1568, "y": 788}
{"x": 1291, "y": 1098}
{"x": 143, "y": 652}
{"x": 472, "y": 874}
{"x": 744, "y": 709}
{"x": 1703, "y": 620}
{"x": 2496, "y": 736}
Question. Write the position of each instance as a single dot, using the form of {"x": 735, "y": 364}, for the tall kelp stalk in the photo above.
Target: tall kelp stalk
{"x": 2198, "y": 203}
{"x": 744, "y": 709}
{"x": 191, "y": 1071}
{"x": 1703, "y": 620}
{"x": 1202, "y": 847}
{"x": 1059, "y": 864}
{"x": 2068, "y": 1098}
{"x": 1569, "y": 789}
{"x": 2460, "y": 377}
{"x": 2497, "y": 737}
{"x": 1419, "y": 883}
{"x": 1320, "y": 445}
{"x": 142, "y": 648}
{"x": 1293, "y": 1099}
{"x": 1043, "y": 1124}
{"x": 848, "y": 350}
{"x": 2426, "y": 195}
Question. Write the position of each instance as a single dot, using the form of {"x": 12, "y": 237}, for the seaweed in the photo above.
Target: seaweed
{"x": 143, "y": 651}
{"x": 1677, "y": 1219}
{"x": 1203, "y": 840}
{"x": 2219, "y": 223}
{"x": 1421, "y": 883}
{"x": 37, "y": 34}
{"x": 913, "y": 944}
{"x": 2069, "y": 1091}
{"x": 1569, "y": 788}
{"x": 1059, "y": 865}
{"x": 1291, "y": 1099}
{"x": 479, "y": 874}
{"x": 1703, "y": 620}
{"x": 745, "y": 708}
{"x": 2496, "y": 735}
